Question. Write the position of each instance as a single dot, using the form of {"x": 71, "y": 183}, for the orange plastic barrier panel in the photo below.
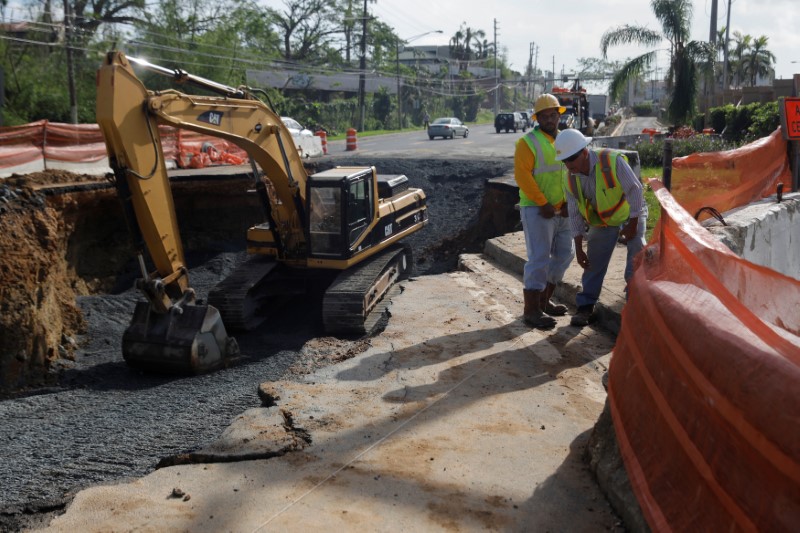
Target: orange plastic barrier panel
{"x": 724, "y": 180}
{"x": 703, "y": 384}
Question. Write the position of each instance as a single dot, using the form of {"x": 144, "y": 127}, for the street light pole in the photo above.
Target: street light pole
{"x": 397, "y": 60}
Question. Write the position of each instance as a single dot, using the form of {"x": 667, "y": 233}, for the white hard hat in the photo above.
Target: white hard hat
{"x": 569, "y": 142}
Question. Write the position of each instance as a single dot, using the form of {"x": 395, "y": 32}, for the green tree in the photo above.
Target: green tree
{"x": 686, "y": 57}
{"x": 737, "y": 57}
{"x": 759, "y": 59}
{"x": 306, "y": 27}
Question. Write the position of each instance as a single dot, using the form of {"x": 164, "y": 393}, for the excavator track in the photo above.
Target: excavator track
{"x": 359, "y": 297}
{"x": 234, "y": 296}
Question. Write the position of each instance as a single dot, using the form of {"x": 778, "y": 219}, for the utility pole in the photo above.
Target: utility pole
{"x": 362, "y": 82}
{"x": 399, "y": 96}
{"x": 73, "y": 95}
{"x": 725, "y": 52}
{"x": 529, "y": 88}
{"x": 496, "y": 78}
{"x": 535, "y": 63}
{"x": 712, "y": 38}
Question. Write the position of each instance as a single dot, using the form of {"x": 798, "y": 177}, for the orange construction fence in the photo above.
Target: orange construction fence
{"x": 704, "y": 378}
{"x": 41, "y": 145}
{"x": 724, "y": 180}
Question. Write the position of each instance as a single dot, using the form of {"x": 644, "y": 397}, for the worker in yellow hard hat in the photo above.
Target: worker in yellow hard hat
{"x": 543, "y": 211}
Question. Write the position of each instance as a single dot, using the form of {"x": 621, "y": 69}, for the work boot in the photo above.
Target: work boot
{"x": 548, "y": 306}
{"x": 583, "y": 317}
{"x": 533, "y": 314}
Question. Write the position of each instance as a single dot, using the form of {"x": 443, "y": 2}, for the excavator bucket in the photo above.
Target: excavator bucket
{"x": 192, "y": 341}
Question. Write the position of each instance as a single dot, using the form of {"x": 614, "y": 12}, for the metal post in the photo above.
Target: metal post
{"x": 667, "y": 164}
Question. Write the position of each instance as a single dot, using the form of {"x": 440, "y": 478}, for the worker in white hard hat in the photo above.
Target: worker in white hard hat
{"x": 543, "y": 211}
{"x": 603, "y": 193}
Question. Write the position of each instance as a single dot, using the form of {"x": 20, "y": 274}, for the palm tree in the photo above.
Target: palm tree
{"x": 759, "y": 59}
{"x": 686, "y": 57}
{"x": 478, "y": 37}
{"x": 739, "y": 51}
{"x": 456, "y": 44}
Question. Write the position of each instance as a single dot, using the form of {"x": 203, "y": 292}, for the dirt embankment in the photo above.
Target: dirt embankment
{"x": 38, "y": 314}
{"x": 63, "y": 235}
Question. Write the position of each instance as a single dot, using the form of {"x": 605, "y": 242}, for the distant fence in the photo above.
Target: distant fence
{"x": 80, "y": 148}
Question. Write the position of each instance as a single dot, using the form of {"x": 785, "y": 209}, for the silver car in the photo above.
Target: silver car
{"x": 447, "y": 128}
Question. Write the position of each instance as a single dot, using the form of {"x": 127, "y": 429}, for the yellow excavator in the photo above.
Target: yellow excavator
{"x": 344, "y": 224}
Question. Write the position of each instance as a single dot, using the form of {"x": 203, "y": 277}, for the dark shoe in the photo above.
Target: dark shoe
{"x": 533, "y": 314}
{"x": 548, "y": 306}
{"x": 583, "y": 317}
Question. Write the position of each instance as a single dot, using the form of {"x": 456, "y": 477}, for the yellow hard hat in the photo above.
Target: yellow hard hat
{"x": 547, "y": 101}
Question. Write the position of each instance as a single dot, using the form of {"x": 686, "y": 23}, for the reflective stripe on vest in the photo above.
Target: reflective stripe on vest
{"x": 612, "y": 208}
{"x": 547, "y": 172}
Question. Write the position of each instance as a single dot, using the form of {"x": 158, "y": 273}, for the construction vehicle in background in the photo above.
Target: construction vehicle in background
{"x": 577, "y": 115}
{"x": 342, "y": 226}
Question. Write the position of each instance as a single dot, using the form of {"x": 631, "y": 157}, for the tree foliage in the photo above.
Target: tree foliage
{"x": 225, "y": 41}
{"x": 686, "y": 57}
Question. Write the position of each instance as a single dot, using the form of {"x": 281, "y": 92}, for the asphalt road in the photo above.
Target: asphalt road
{"x": 481, "y": 142}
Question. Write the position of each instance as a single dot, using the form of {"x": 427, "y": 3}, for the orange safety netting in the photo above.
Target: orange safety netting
{"x": 724, "y": 180}
{"x": 703, "y": 384}
{"x": 52, "y": 142}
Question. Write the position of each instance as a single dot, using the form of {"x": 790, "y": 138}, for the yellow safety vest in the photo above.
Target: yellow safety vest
{"x": 547, "y": 172}
{"x": 611, "y": 209}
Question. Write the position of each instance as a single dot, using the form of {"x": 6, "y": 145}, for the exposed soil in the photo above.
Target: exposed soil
{"x": 74, "y": 414}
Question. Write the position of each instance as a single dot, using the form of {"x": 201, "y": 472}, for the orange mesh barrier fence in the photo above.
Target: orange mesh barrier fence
{"x": 196, "y": 150}
{"x": 724, "y": 180}
{"x": 703, "y": 384}
{"x": 44, "y": 144}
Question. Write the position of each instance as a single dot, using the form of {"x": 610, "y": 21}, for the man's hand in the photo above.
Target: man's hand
{"x": 580, "y": 255}
{"x": 582, "y": 258}
{"x": 547, "y": 211}
{"x": 629, "y": 231}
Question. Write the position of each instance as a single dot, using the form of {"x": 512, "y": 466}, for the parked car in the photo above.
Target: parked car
{"x": 295, "y": 128}
{"x": 447, "y": 128}
{"x": 526, "y": 118}
{"x": 509, "y": 122}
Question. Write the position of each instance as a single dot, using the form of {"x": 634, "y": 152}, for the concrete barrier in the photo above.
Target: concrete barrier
{"x": 309, "y": 146}
{"x": 764, "y": 233}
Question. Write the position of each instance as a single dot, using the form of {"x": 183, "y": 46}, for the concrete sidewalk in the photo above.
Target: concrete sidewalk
{"x": 458, "y": 417}
{"x": 509, "y": 251}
